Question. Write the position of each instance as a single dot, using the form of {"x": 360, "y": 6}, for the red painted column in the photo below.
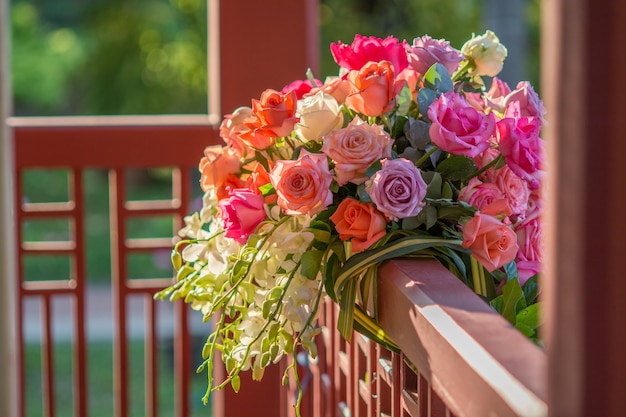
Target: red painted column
{"x": 262, "y": 44}
{"x": 583, "y": 86}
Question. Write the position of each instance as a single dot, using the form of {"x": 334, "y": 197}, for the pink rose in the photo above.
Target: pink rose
{"x": 217, "y": 164}
{"x": 530, "y": 254}
{"x": 300, "y": 87}
{"x": 492, "y": 243}
{"x": 397, "y": 189}
{"x": 373, "y": 89}
{"x": 480, "y": 194}
{"x": 497, "y": 94}
{"x": 521, "y": 147}
{"x": 360, "y": 222}
{"x": 427, "y": 51}
{"x": 514, "y": 188}
{"x": 370, "y": 49}
{"x": 528, "y": 102}
{"x": 457, "y": 127}
{"x": 303, "y": 186}
{"x": 241, "y": 213}
{"x": 354, "y": 148}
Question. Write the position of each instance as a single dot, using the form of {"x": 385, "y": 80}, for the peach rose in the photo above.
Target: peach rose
{"x": 303, "y": 186}
{"x": 354, "y": 148}
{"x": 360, "y": 222}
{"x": 216, "y": 165}
{"x": 231, "y": 129}
{"x": 492, "y": 243}
{"x": 337, "y": 87}
{"x": 374, "y": 89}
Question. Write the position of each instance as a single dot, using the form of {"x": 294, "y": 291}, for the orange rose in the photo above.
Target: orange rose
{"x": 259, "y": 178}
{"x": 374, "y": 89}
{"x": 336, "y": 87}
{"x": 217, "y": 164}
{"x": 492, "y": 243}
{"x": 275, "y": 112}
{"x": 360, "y": 222}
{"x": 231, "y": 182}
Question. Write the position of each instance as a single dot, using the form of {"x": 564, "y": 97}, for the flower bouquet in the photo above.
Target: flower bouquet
{"x": 405, "y": 153}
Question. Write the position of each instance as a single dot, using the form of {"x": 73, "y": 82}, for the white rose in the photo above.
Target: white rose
{"x": 319, "y": 115}
{"x": 486, "y": 52}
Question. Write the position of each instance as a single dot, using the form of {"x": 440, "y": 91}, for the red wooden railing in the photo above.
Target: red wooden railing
{"x": 458, "y": 358}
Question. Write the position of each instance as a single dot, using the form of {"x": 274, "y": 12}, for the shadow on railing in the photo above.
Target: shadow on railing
{"x": 459, "y": 357}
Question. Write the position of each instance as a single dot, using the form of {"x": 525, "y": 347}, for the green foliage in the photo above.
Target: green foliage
{"x": 519, "y": 305}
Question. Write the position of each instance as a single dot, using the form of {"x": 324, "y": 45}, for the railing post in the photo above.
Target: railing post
{"x": 263, "y": 44}
{"x": 8, "y": 293}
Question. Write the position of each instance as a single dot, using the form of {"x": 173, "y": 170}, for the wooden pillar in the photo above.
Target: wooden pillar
{"x": 8, "y": 293}
{"x": 584, "y": 88}
{"x": 253, "y": 46}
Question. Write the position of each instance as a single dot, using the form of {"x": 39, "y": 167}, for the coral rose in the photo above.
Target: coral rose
{"x": 397, "y": 189}
{"x": 457, "y": 127}
{"x": 492, "y": 243}
{"x": 356, "y": 147}
{"x": 373, "y": 89}
{"x": 274, "y": 116}
{"x": 370, "y": 49}
{"x": 241, "y": 213}
{"x": 217, "y": 164}
{"x": 303, "y": 186}
{"x": 360, "y": 222}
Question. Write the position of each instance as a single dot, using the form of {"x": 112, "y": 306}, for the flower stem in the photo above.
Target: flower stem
{"x": 495, "y": 161}
{"x": 427, "y": 155}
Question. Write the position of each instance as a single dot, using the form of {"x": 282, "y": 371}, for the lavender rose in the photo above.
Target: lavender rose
{"x": 457, "y": 127}
{"x": 397, "y": 189}
{"x": 427, "y": 51}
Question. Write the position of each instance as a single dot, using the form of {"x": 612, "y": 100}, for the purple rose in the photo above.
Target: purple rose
{"x": 427, "y": 51}
{"x": 521, "y": 147}
{"x": 457, "y": 127}
{"x": 241, "y": 213}
{"x": 397, "y": 189}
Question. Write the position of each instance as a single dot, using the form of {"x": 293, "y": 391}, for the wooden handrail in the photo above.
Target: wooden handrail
{"x": 475, "y": 360}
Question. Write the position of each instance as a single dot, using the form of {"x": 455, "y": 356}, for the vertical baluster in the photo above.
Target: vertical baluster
{"x": 47, "y": 359}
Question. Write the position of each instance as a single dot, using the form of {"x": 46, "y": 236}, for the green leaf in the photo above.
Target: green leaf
{"x": 267, "y": 189}
{"x": 363, "y": 195}
{"x": 425, "y": 98}
{"x": 345, "y": 319}
{"x": 434, "y": 181}
{"x": 446, "y": 191}
{"x": 405, "y": 98}
{"x": 497, "y": 303}
{"x": 456, "y": 168}
{"x": 333, "y": 266}
{"x": 531, "y": 289}
{"x": 530, "y": 316}
{"x": 437, "y": 78}
{"x": 511, "y": 271}
{"x": 311, "y": 262}
{"x": 513, "y": 300}
{"x": 372, "y": 169}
